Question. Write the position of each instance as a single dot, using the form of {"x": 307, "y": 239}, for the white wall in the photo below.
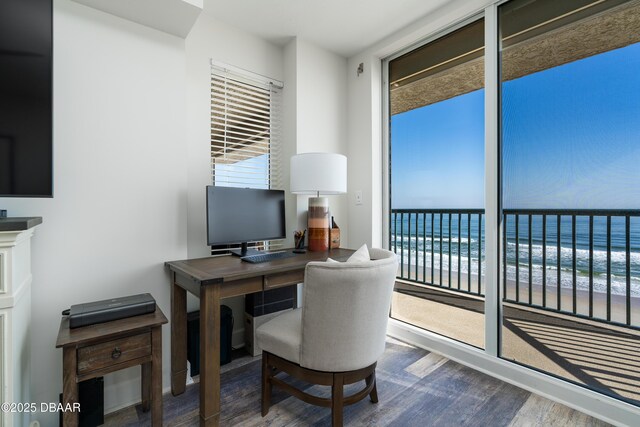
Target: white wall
{"x": 320, "y": 111}
{"x": 290, "y": 133}
{"x": 120, "y": 182}
{"x": 364, "y": 154}
{"x": 213, "y": 39}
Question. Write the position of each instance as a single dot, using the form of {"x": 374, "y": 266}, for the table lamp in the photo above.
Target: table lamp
{"x": 318, "y": 174}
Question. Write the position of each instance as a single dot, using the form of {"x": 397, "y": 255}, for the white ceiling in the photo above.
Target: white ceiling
{"x": 345, "y": 27}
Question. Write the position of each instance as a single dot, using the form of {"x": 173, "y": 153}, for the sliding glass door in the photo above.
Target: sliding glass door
{"x": 571, "y": 190}
{"x": 437, "y": 198}
{"x": 567, "y": 107}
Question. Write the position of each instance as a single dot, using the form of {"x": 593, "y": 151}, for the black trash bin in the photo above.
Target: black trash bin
{"x": 193, "y": 338}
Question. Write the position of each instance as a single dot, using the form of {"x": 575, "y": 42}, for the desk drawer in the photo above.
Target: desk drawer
{"x": 113, "y": 352}
{"x": 241, "y": 287}
{"x": 283, "y": 279}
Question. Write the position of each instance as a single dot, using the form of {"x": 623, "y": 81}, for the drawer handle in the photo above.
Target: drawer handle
{"x": 116, "y": 353}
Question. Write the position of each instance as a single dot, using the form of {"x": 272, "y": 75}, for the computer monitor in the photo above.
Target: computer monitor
{"x": 241, "y": 215}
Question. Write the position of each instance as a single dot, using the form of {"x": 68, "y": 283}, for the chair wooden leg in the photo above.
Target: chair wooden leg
{"x": 337, "y": 400}
{"x": 272, "y": 365}
{"x": 266, "y": 384}
{"x": 373, "y": 395}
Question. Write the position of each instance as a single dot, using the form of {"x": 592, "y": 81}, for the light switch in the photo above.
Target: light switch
{"x": 358, "y": 197}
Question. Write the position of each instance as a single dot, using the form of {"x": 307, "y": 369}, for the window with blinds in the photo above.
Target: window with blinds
{"x": 245, "y": 130}
{"x": 245, "y": 149}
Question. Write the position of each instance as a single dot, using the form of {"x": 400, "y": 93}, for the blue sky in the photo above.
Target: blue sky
{"x": 437, "y": 154}
{"x": 571, "y": 139}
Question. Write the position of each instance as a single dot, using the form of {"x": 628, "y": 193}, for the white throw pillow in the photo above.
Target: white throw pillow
{"x": 361, "y": 255}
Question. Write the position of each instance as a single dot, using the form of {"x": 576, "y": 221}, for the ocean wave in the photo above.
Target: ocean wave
{"x": 618, "y": 282}
{"x": 618, "y": 260}
{"x": 435, "y": 239}
{"x": 599, "y": 254}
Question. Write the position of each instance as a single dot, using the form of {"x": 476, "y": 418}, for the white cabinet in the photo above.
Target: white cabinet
{"x": 15, "y": 315}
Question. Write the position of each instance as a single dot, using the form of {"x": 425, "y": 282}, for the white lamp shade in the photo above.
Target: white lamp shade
{"x": 323, "y": 173}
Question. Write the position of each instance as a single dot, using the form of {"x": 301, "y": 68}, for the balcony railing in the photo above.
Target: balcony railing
{"x": 448, "y": 241}
{"x": 582, "y": 263}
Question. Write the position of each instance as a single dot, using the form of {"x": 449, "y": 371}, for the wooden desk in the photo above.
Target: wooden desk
{"x": 96, "y": 350}
{"x": 212, "y": 279}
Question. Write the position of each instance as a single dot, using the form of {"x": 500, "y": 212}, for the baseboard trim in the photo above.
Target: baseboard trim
{"x": 584, "y": 400}
{"x": 133, "y": 402}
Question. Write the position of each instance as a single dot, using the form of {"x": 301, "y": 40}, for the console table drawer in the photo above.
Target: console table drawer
{"x": 283, "y": 279}
{"x": 113, "y": 352}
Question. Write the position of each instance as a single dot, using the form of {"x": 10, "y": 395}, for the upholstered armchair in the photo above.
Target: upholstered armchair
{"x": 337, "y": 336}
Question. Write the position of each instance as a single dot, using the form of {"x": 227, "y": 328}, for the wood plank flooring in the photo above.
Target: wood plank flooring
{"x": 415, "y": 387}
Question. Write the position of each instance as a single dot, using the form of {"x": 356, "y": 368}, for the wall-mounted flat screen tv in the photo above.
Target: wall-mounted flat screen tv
{"x": 26, "y": 149}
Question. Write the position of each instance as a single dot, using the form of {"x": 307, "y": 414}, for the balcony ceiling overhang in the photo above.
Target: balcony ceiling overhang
{"x": 522, "y": 55}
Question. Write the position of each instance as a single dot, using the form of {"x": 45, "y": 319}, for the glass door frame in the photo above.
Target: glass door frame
{"x": 491, "y": 187}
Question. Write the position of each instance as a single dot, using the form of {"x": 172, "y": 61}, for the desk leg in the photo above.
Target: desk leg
{"x": 156, "y": 376}
{"x": 146, "y": 386}
{"x": 210, "y": 355}
{"x": 178, "y": 338}
{"x": 69, "y": 386}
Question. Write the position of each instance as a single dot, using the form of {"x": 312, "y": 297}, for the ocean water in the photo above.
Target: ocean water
{"x": 418, "y": 240}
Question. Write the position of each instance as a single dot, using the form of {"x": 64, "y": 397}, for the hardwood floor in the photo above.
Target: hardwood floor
{"x": 415, "y": 387}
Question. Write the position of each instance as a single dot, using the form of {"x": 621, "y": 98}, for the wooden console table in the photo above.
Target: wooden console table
{"x": 95, "y": 350}
{"x": 212, "y": 279}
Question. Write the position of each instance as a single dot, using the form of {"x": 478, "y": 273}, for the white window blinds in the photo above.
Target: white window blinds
{"x": 245, "y": 129}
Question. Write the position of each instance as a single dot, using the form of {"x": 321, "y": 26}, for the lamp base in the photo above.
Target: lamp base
{"x": 318, "y": 224}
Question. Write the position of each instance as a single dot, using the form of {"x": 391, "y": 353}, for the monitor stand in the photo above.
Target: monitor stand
{"x": 244, "y": 251}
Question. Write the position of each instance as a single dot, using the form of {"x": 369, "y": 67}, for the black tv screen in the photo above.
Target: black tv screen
{"x": 240, "y": 215}
{"x": 26, "y": 44}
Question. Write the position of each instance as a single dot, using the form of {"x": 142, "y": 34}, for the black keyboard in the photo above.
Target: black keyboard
{"x": 267, "y": 257}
